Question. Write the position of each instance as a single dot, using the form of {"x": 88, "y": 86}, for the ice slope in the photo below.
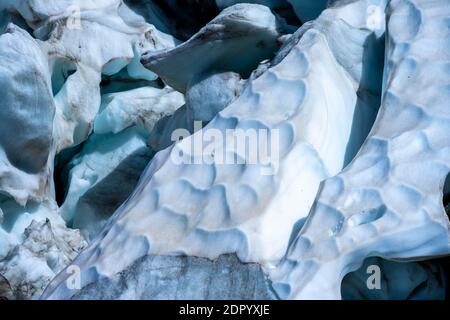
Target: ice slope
{"x": 308, "y": 96}
{"x": 388, "y": 202}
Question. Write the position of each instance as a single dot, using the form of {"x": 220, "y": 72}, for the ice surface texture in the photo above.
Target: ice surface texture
{"x": 350, "y": 96}
{"x": 208, "y": 210}
{"x": 169, "y": 277}
{"x": 388, "y": 202}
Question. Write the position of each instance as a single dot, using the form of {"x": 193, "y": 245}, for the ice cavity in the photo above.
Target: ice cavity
{"x": 388, "y": 202}
{"x": 309, "y": 96}
{"x": 114, "y": 155}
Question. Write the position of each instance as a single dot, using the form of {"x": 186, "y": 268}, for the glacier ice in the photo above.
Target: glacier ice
{"x": 121, "y": 125}
{"x": 226, "y": 278}
{"x": 211, "y": 209}
{"x": 143, "y": 106}
{"x": 26, "y": 118}
{"x": 27, "y": 260}
{"x": 248, "y": 31}
{"x": 388, "y": 202}
{"x": 206, "y": 96}
{"x": 181, "y": 278}
{"x": 51, "y": 110}
{"x": 77, "y": 44}
{"x": 400, "y": 281}
{"x": 211, "y": 93}
{"x": 101, "y": 177}
{"x": 35, "y": 245}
